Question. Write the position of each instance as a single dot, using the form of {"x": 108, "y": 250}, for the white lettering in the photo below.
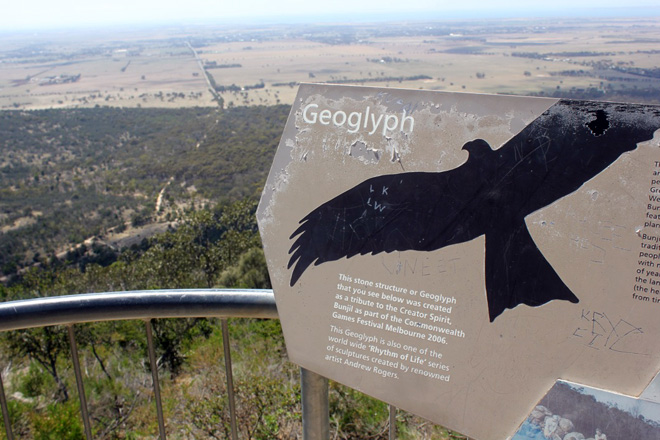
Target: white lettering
{"x": 336, "y": 122}
{"x": 405, "y": 119}
{"x": 374, "y": 123}
{"x": 386, "y": 125}
{"x": 305, "y": 118}
{"x": 324, "y": 117}
{"x": 353, "y": 123}
{"x": 367, "y": 120}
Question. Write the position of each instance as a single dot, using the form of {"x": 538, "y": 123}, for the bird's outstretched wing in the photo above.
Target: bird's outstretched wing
{"x": 569, "y": 144}
{"x": 378, "y": 215}
{"x": 397, "y": 212}
{"x": 490, "y": 194}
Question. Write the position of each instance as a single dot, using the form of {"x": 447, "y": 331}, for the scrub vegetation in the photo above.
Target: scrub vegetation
{"x": 78, "y": 185}
{"x": 129, "y": 199}
{"x": 209, "y": 247}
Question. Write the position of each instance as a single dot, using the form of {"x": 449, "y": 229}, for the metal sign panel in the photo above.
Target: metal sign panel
{"x": 455, "y": 254}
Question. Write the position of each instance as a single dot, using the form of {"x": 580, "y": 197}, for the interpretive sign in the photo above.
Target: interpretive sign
{"x": 456, "y": 255}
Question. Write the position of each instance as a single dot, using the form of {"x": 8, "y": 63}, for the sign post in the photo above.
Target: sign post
{"x": 457, "y": 255}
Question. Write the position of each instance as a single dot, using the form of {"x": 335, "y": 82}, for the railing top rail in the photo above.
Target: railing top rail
{"x": 143, "y": 304}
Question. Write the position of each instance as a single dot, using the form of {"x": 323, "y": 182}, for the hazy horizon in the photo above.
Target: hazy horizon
{"x": 74, "y": 14}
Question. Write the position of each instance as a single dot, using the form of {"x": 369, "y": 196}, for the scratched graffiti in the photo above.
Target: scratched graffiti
{"x": 528, "y": 211}
{"x": 490, "y": 194}
{"x": 599, "y": 332}
{"x": 417, "y": 266}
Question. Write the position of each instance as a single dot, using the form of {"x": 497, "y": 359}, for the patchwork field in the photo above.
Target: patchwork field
{"x": 251, "y": 66}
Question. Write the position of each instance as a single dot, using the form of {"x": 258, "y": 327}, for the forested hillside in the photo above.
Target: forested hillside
{"x": 67, "y": 175}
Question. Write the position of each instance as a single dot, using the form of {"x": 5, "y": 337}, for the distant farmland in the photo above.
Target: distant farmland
{"x": 616, "y": 59}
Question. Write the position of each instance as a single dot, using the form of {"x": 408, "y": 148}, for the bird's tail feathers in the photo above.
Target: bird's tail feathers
{"x": 518, "y": 273}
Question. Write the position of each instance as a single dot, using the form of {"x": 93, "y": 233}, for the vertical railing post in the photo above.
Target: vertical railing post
{"x": 5, "y": 411}
{"x": 230, "y": 379}
{"x": 79, "y": 382}
{"x": 315, "y": 408}
{"x": 154, "y": 375}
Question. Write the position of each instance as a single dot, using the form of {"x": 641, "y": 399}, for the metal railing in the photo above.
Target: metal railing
{"x": 154, "y": 304}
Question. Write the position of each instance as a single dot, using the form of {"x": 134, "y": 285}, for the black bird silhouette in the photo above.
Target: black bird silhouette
{"x": 490, "y": 194}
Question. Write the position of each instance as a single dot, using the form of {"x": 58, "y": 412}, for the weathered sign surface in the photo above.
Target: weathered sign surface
{"x": 455, "y": 254}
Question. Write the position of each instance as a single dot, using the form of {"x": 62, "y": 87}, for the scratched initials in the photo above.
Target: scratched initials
{"x": 601, "y": 333}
